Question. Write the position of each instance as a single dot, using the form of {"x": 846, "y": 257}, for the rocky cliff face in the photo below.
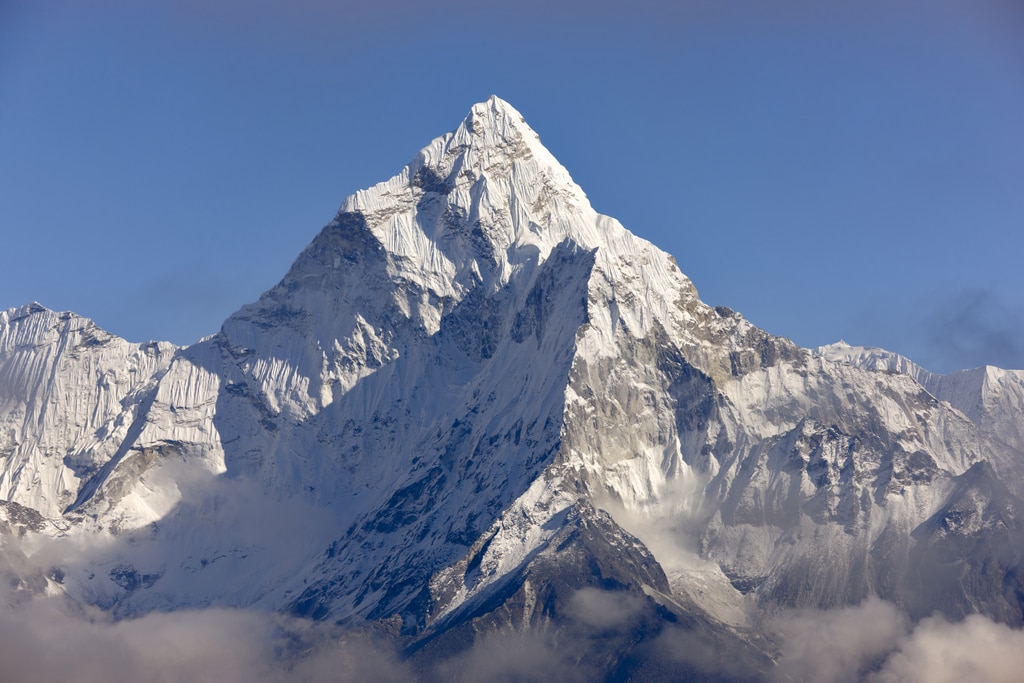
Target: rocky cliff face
{"x": 470, "y": 398}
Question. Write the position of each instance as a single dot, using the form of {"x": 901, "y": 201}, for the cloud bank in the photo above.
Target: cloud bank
{"x": 838, "y": 645}
{"x": 49, "y": 640}
{"x": 874, "y": 643}
{"x": 976, "y": 649}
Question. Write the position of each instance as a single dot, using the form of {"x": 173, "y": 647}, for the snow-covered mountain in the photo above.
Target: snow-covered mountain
{"x": 471, "y": 400}
{"x": 69, "y": 395}
{"x": 991, "y": 397}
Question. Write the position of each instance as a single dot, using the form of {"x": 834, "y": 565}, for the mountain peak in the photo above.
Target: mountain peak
{"x": 475, "y": 215}
{"x": 494, "y": 108}
{"x": 488, "y": 185}
{"x": 497, "y": 121}
{"x": 497, "y": 126}
{"x": 24, "y": 311}
{"x": 442, "y": 420}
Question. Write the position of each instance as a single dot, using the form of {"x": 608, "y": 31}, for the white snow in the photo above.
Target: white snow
{"x": 462, "y": 354}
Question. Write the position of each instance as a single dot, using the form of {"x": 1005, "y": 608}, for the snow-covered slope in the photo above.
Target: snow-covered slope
{"x": 69, "y": 393}
{"x": 428, "y": 414}
{"x": 993, "y": 398}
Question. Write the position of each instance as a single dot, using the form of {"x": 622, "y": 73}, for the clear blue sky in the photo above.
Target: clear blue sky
{"x": 829, "y": 169}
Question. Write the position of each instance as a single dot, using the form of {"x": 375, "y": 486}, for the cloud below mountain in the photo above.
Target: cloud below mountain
{"x": 873, "y": 643}
{"x": 976, "y": 649}
{"x": 47, "y": 640}
{"x": 838, "y": 645}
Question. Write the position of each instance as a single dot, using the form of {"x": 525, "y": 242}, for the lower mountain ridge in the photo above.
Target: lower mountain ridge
{"x": 477, "y": 414}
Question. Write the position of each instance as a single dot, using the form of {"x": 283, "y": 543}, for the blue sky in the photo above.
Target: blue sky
{"x": 831, "y": 170}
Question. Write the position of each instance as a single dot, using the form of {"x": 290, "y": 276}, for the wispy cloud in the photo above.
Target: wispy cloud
{"x": 976, "y": 649}
{"x": 605, "y": 610}
{"x": 526, "y": 656}
{"x": 838, "y": 645}
{"x": 975, "y": 327}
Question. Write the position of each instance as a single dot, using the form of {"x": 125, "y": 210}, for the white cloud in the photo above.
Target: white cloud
{"x": 976, "y": 649}
{"x": 873, "y": 642}
{"x": 47, "y": 640}
{"x": 670, "y": 526}
{"x": 51, "y": 639}
{"x": 838, "y": 645}
{"x": 605, "y": 610}
{"x": 514, "y": 657}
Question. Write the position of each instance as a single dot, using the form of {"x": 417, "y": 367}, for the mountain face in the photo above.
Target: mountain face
{"x": 992, "y": 398}
{"x": 474, "y": 405}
